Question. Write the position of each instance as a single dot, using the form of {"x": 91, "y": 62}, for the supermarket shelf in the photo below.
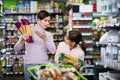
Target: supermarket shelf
{"x": 54, "y": 0}
{"x": 13, "y": 36}
{"x": 89, "y": 49}
{"x": 10, "y": 43}
{"x": 88, "y": 65}
{"x": 11, "y": 73}
{"x": 14, "y": 55}
{"x": 82, "y": 18}
{"x": 88, "y": 56}
{"x": 99, "y": 14}
{"x": 87, "y": 33}
{"x": 11, "y": 29}
{"x": 56, "y": 40}
{"x": 73, "y": 3}
{"x": 9, "y": 48}
{"x": 26, "y": 13}
{"x": 107, "y": 76}
{"x": 109, "y": 43}
{"x": 1, "y": 14}
{"x": 82, "y": 26}
{"x": 101, "y": 63}
{"x": 89, "y": 74}
{"x": 116, "y": 27}
{"x": 1, "y": 40}
{"x": 89, "y": 41}
{"x": 12, "y": 22}
{"x": 105, "y": 66}
{"x": 110, "y": 26}
{"x": 19, "y": 13}
{"x": 8, "y": 65}
{"x": 2, "y": 27}
{"x": 18, "y": 72}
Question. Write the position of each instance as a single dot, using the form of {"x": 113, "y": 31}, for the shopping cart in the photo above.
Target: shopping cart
{"x": 34, "y": 71}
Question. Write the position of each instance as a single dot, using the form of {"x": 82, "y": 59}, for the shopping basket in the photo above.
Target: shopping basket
{"x": 34, "y": 70}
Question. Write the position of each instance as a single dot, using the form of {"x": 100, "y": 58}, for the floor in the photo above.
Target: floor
{"x": 12, "y": 77}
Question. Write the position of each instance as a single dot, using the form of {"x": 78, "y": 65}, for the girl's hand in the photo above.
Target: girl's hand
{"x": 41, "y": 35}
{"x": 64, "y": 61}
{"x": 76, "y": 64}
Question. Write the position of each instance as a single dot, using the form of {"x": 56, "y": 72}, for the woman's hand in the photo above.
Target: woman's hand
{"x": 41, "y": 35}
{"x": 25, "y": 36}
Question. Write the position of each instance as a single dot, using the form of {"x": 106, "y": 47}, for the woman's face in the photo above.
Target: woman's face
{"x": 44, "y": 22}
{"x": 69, "y": 42}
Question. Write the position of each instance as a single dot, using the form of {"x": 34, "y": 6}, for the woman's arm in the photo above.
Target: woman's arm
{"x": 18, "y": 46}
{"x": 50, "y": 45}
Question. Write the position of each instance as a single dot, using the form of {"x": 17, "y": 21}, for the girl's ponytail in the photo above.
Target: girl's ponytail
{"x": 83, "y": 45}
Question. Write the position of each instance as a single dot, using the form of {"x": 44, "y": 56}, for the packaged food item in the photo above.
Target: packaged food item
{"x": 27, "y": 28}
{"x": 70, "y": 59}
{"x": 24, "y": 27}
{"x": 19, "y": 27}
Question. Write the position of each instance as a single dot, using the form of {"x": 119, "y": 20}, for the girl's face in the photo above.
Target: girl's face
{"x": 44, "y": 22}
{"x": 69, "y": 42}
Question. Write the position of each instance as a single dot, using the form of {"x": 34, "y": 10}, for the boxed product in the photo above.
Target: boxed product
{"x": 70, "y": 59}
{"x": 24, "y": 27}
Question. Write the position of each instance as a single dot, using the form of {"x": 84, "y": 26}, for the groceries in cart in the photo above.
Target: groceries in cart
{"x": 55, "y": 72}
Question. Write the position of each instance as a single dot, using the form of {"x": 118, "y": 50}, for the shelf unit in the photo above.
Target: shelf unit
{"x": 2, "y": 36}
{"x": 109, "y": 50}
{"x": 57, "y": 27}
{"x": 109, "y": 75}
{"x": 112, "y": 51}
{"x": 2, "y": 30}
{"x": 13, "y": 61}
{"x": 97, "y": 33}
{"x": 103, "y": 26}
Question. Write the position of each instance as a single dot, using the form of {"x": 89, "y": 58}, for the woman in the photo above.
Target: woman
{"x": 71, "y": 47}
{"x": 36, "y": 52}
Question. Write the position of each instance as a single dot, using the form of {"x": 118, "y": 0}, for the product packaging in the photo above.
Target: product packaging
{"x": 24, "y": 27}
{"x": 70, "y": 59}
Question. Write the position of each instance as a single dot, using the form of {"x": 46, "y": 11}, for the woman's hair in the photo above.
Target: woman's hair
{"x": 75, "y": 36}
{"x": 42, "y": 14}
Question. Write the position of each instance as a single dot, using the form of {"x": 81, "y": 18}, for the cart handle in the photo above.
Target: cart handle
{"x": 78, "y": 73}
